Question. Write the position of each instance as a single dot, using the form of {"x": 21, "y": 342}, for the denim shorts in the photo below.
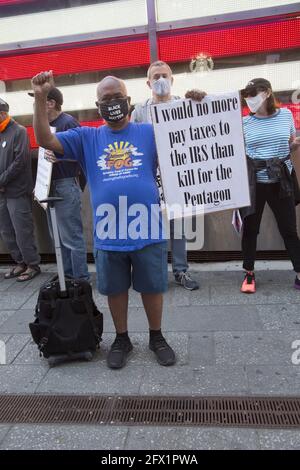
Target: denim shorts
{"x": 145, "y": 269}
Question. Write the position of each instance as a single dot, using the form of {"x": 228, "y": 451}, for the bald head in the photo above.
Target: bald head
{"x": 111, "y": 86}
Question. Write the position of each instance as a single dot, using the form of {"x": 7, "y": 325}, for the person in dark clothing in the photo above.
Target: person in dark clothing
{"x": 269, "y": 131}
{"x": 16, "y": 227}
{"x": 65, "y": 184}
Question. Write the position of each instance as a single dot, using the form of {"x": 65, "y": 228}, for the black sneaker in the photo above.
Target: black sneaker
{"x": 164, "y": 353}
{"x": 297, "y": 283}
{"x": 184, "y": 279}
{"x": 119, "y": 352}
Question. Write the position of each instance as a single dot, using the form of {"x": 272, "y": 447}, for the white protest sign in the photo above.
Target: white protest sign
{"x": 201, "y": 154}
{"x": 43, "y": 177}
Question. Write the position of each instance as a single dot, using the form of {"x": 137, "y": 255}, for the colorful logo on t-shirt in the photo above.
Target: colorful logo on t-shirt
{"x": 119, "y": 159}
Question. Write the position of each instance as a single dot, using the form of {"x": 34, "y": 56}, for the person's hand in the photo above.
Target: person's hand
{"x": 2, "y": 190}
{"x": 50, "y": 157}
{"x": 42, "y": 83}
{"x": 196, "y": 95}
{"x": 295, "y": 145}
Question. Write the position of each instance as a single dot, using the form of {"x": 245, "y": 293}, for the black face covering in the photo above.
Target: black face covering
{"x": 115, "y": 110}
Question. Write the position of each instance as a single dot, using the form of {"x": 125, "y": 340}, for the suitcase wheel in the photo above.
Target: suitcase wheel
{"x": 54, "y": 360}
{"x": 60, "y": 358}
{"x": 88, "y": 356}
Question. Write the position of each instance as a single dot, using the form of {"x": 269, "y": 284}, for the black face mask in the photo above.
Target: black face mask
{"x": 115, "y": 110}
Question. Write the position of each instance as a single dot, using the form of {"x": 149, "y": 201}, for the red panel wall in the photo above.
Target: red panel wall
{"x": 175, "y": 47}
{"x": 295, "y": 109}
{"x": 255, "y": 38}
{"x": 78, "y": 59}
{"x": 33, "y": 143}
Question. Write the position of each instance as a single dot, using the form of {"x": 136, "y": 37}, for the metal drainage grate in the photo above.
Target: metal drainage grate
{"x": 195, "y": 256}
{"x": 257, "y": 412}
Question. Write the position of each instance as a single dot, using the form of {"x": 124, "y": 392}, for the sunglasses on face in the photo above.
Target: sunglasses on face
{"x": 251, "y": 92}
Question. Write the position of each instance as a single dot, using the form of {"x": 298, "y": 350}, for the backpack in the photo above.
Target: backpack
{"x": 67, "y": 325}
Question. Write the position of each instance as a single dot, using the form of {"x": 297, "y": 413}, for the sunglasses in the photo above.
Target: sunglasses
{"x": 251, "y": 91}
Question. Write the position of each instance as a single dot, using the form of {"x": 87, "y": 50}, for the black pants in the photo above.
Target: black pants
{"x": 285, "y": 215}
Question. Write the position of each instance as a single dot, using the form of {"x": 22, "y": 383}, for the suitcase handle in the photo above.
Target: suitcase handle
{"x": 60, "y": 268}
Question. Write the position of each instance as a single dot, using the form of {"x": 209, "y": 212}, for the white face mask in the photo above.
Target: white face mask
{"x": 255, "y": 102}
{"x": 162, "y": 86}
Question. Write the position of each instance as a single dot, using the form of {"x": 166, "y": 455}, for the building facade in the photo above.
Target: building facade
{"x": 215, "y": 46}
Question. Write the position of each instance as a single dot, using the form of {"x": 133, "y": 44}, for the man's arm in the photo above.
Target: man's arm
{"x": 295, "y": 144}
{"x": 41, "y": 85}
{"x": 21, "y": 153}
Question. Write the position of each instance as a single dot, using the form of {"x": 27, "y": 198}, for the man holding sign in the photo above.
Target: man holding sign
{"x": 160, "y": 81}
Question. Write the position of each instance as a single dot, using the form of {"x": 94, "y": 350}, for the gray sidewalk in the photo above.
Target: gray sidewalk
{"x": 227, "y": 344}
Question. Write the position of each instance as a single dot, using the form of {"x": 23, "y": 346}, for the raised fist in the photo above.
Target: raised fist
{"x": 42, "y": 83}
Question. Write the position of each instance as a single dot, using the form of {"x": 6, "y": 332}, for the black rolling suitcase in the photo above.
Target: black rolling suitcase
{"x": 68, "y": 325}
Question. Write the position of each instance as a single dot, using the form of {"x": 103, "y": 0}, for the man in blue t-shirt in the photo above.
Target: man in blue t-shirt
{"x": 64, "y": 184}
{"x": 120, "y": 162}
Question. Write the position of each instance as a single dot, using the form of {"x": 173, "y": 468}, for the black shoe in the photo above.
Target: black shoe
{"x": 185, "y": 279}
{"x": 119, "y": 352}
{"x": 297, "y": 283}
{"x": 164, "y": 353}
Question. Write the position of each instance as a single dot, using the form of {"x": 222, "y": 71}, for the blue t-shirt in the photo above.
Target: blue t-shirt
{"x": 64, "y": 169}
{"x": 120, "y": 167}
{"x": 268, "y": 138}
